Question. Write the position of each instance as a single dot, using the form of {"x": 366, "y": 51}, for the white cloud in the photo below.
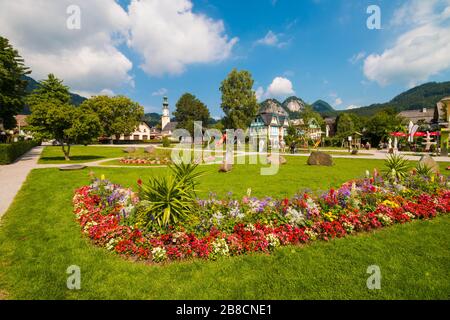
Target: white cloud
{"x": 271, "y": 39}
{"x": 87, "y": 59}
{"x": 169, "y": 36}
{"x": 352, "y": 106}
{"x": 280, "y": 87}
{"x": 419, "y": 53}
{"x": 160, "y": 92}
{"x": 357, "y": 57}
{"x": 107, "y": 92}
{"x": 259, "y": 92}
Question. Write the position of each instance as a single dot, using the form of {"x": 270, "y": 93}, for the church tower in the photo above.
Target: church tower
{"x": 165, "y": 119}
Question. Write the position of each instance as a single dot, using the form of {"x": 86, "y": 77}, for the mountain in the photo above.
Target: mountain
{"x": 423, "y": 96}
{"x": 324, "y": 108}
{"x": 293, "y": 104}
{"x": 153, "y": 119}
{"x": 76, "y": 99}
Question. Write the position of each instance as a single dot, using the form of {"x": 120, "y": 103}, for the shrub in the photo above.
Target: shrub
{"x": 166, "y": 142}
{"x": 424, "y": 170}
{"x": 10, "y": 152}
{"x": 168, "y": 200}
{"x": 396, "y": 167}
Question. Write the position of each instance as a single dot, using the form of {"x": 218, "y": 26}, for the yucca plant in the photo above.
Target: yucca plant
{"x": 423, "y": 170}
{"x": 397, "y": 167}
{"x": 186, "y": 172}
{"x": 168, "y": 200}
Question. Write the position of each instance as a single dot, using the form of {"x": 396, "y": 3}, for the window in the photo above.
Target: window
{"x": 136, "y": 137}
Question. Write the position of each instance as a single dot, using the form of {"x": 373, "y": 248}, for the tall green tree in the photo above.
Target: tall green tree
{"x": 238, "y": 100}
{"x": 118, "y": 115}
{"x": 190, "y": 109}
{"x": 345, "y": 125}
{"x": 12, "y": 84}
{"x": 53, "y": 117}
{"x": 382, "y": 124}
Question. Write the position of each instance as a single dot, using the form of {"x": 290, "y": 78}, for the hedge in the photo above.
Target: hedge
{"x": 10, "y": 152}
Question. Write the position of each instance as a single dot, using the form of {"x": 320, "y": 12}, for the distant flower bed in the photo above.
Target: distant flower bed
{"x": 109, "y": 215}
{"x": 146, "y": 161}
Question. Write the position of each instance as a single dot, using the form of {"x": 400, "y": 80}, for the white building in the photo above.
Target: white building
{"x": 143, "y": 132}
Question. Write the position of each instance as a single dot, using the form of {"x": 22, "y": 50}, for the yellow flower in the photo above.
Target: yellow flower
{"x": 432, "y": 178}
{"x": 102, "y": 177}
{"x": 391, "y": 204}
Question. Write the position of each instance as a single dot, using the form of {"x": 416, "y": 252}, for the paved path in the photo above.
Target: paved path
{"x": 12, "y": 177}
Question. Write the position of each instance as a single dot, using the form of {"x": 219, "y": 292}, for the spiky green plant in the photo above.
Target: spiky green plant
{"x": 168, "y": 200}
{"x": 423, "y": 170}
{"x": 397, "y": 167}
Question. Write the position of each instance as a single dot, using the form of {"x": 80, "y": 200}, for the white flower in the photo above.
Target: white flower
{"x": 159, "y": 254}
{"x": 111, "y": 244}
{"x": 273, "y": 240}
{"x": 250, "y": 227}
{"x": 311, "y": 234}
{"x": 220, "y": 248}
{"x": 295, "y": 217}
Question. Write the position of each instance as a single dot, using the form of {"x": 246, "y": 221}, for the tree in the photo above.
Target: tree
{"x": 12, "y": 84}
{"x": 345, "y": 126}
{"x": 382, "y": 124}
{"x": 190, "y": 109}
{"x": 53, "y": 117}
{"x": 118, "y": 115}
{"x": 309, "y": 114}
{"x": 238, "y": 100}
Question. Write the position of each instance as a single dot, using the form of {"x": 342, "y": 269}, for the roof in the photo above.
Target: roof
{"x": 22, "y": 120}
{"x": 416, "y": 115}
{"x": 170, "y": 126}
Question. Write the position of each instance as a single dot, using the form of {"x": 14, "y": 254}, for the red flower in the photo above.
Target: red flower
{"x": 139, "y": 182}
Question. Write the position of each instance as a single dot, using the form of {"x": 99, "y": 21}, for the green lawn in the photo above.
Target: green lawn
{"x": 39, "y": 239}
{"x": 78, "y": 154}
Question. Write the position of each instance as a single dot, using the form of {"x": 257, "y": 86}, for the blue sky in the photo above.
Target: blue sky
{"x": 322, "y": 37}
{"x": 315, "y": 49}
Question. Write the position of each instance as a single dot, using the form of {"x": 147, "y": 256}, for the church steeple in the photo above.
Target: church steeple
{"x": 165, "y": 119}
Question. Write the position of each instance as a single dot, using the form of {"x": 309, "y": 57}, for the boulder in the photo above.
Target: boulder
{"x": 129, "y": 150}
{"x": 276, "y": 159}
{"x": 430, "y": 163}
{"x": 318, "y": 158}
{"x": 149, "y": 149}
{"x": 225, "y": 167}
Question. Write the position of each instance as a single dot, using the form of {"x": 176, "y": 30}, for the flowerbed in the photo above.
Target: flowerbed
{"x": 108, "y": 215}
{"x": 146, "y": 161}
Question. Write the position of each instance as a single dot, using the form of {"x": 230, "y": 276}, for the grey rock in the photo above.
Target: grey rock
{"x": 430, "y": 163}
{"x": 149, "y": 149}
{"x": 318, "y": 158}
{"x": 129, "y": 150}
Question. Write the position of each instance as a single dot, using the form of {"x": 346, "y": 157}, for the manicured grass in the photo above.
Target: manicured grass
{"x": 34, "y": 256}
{"x": 78, "y": 154}
{"x": 39, "y": 239}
